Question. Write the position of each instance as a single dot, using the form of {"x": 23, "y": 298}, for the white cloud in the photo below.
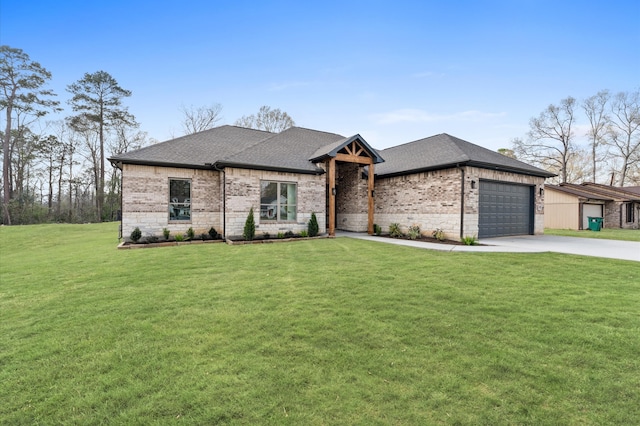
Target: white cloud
{"x": 408, "y": 115}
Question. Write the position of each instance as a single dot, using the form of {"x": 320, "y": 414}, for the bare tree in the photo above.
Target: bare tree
{"x": 271, "y": 120}
{"x": 624, "y": 131}
{"x": 198, "y": 119}
{"x": 21, "y": 82}
{"x": 550, "y": 141}
{"x": 595, "y": 108}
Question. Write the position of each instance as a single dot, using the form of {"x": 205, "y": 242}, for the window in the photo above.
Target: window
{"x": 629, "y": 212}
{"x": 179, "y": 199}
{"x": 278, "y": 201}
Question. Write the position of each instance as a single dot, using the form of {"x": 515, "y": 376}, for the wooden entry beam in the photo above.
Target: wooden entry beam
{"x": 370, "y": 189}
{"x": 332, "y": 197}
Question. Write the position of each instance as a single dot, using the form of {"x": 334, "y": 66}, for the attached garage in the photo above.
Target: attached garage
{"x": 590, "y": 210}
{"x": 505, "y": 209}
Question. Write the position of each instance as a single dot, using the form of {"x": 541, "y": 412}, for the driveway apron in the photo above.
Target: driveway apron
{"x": 613, "y": 249}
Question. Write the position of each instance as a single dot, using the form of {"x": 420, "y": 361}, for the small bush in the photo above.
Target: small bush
{"x": 289, "y": 234}
{"x": 190, "y": 234}
{"x": 266, "y": 235}
{"x": 136, "y": 234}
{"x": 280, "y": 235}
{"x": 213, "y": 233}
{"x": 312, "y": 228}
{"x": 414, "y": 232}
{"x": 179, "y": 237}
{"x": 249, "y": 227}
{"x": 204, "y": 236}
{"x": 377, "y": 229}
{"x": 166, "y": 233}
{"x": 469, "y": 241}
{"x": 152, "y": 239}
{"x": 439, "y": 235}
{"x": 395, "y": 231}
{"x": 304, "y": 234}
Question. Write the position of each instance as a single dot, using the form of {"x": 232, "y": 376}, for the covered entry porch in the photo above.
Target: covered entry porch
{"x": 350, "y": 191}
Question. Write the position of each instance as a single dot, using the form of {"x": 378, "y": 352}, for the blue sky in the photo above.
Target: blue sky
{"x": 393, "y": 71}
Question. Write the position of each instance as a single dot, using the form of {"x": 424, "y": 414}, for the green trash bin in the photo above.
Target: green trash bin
{"x": 595, "y": 223}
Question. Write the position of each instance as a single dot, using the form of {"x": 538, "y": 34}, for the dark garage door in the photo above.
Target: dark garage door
{"x": 505, "y": 209}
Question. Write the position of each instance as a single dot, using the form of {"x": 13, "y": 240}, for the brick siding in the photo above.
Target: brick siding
{"x": 145, "y": 200}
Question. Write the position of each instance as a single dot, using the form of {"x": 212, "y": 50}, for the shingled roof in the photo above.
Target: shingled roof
{"x": 298, "y": 149}
{"x": 578, "y": 191}
{"x": 444, "y": 151}
{"x": 289, "y": 150}
{"x": 595, "y": 191}
{"x": 198, "y": 150}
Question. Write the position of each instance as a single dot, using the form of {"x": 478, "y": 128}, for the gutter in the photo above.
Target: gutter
{"x": 223, "y": 164}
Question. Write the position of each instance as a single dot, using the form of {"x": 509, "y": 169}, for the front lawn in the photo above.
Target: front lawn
{"x": 604, "y": 233}
{"x": 330, "y": 331}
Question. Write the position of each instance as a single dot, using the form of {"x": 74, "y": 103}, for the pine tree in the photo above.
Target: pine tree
{"x": 313, "y": 226}
{"x": 249, "y": 227}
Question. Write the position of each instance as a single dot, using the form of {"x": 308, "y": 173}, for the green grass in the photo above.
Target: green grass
{"x": 604, "y": 233}
{"x": 330, "y": 331}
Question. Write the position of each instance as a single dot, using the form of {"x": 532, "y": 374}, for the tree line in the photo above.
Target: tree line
{"x": 596, "y": 139}
{"x": 57, "y": 170}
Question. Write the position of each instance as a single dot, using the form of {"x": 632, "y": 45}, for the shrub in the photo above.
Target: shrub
{"x": 213, "y": 233}
{"x": 190, "y": 234}
{"x": 438, "y": 234}
{"x": 249, "y": 227}
{"x": 152, "y": 239}
{"x": 280, "y": 235}
{"x": 312, "y": 228}
{"x": 304, "y": 234}
{"x": 204, "y": 236}
{"x": 179, "y": 237}
{"x": 414, "y": 232}
{"x": 395, "y": 231}
{"x": 377, "y": 229}
{"x": 289, "y": 234}
{"x": 166, "y": 233}
{"x": 469, "y": 241}
{"x": 136, "y": 234}
{"x": 266, "y": 235}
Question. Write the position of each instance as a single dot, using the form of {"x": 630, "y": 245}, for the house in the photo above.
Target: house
{"x": 569, "y": 206}
{"x": 213, "y": 178}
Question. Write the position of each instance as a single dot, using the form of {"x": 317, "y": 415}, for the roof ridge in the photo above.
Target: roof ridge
{"x": 412, "y": 142}
{"x": 617, "y": 189}
{"x": 271, "y": 136}
{"x": 314, "y": 130}
{"x": 244, "y": 128}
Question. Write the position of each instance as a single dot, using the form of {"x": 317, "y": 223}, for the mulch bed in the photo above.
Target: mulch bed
{"x": 425, "y": 239}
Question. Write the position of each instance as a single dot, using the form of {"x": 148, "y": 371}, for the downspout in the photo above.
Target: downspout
{"x": 121, "y": 205}
{"x": 461, "y": 201}
{"x": 118, "y": 165}
{"x": 224, "y": 199}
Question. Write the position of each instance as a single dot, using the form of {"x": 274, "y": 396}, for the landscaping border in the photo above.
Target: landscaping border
{"x": 128, "y": 246}
{"x": 274, "y": 240}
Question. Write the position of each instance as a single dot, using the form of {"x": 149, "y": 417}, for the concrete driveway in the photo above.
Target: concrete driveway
{"x": 625, "y": 250}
